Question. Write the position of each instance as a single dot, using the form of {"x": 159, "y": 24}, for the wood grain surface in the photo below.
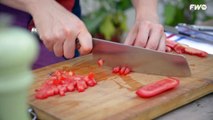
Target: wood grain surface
{"x": 114, "y": 97}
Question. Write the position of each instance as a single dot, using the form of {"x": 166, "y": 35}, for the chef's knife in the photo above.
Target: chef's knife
{"x": 140, "y": 59}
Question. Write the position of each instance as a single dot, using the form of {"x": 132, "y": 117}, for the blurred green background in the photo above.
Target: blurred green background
{"x": 108, "y": 19}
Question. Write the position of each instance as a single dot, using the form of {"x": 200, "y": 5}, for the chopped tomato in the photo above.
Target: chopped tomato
{"x": 193, "y": 51}
{"x": 81, "y": 85}
{"x": 171, "y": 43}
{"x": 62, "y": 81}
{"x": 158, "y": 87}
{"x": 122, "y": 70}
{"x": 116, "y": 69}
{"x": 100, "y": 62}
{"x": 127, "y": 71}
{"x": 181, "y": 48}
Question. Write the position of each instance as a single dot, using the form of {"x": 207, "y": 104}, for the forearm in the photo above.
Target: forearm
{"x": 146, "y": 9}
{"x": 18, "y": 4}
{"x": 29, "y": 6}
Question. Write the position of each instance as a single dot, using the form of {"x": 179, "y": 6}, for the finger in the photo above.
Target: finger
{"x": 162, "y": 45}
{"x": 155, "y": 37}
{"x": 48, "y": 44}
{"x": 143, "y": 35}
{"x": 69, "y": 48}
{"x": 131, "y": 36}
{"x": 58, "y": 48}
{"x": 47, "y": 41}
{"x": 85, "y": 40}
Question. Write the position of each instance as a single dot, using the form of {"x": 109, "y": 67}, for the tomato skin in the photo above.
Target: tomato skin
{"x": 181, "y": 48}
{"x": 81, "y": 86}
{"x": 122, "y": 70}
{"x": 62, "y": 81}
{"x": 127, "y": 71}
{"x": 116, "y": 69}
{"x": 70, "y": 87}
{"x": 193, "y": 51}
{"x": 100, "y": 62}
{"x": 158, "y": 87}
{"x": 170, "y": 43}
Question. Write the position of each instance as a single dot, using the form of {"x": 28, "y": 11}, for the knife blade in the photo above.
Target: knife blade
{"x": 140, "y": 59}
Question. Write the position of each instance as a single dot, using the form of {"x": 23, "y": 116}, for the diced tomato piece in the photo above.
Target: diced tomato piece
{"x": 90, "y": 82}
{"x": 70, "y": 87}
{"x": 62, "y": 90}
{"x": 158, "y": 87}
{"x": 50, "y": 91}
{"x": 62, "y": 81}
{"x": 55, "y": 89}
{"x": 41, "y": 94}
{"x": 61, "y": 93}
{"x": 91, "y": 76}
{"x": 116, "y": 69}
{"x": 171, "y": 43}
{"x": 127, "y": 71}
{"x": 81, "y": 86}
{"x": 70, "y": 73}
{"x": 100, "y": 62}
{"x": 122, "y": 70}
{"x": 56, "y": 82}
{"x": 178, "y": 48}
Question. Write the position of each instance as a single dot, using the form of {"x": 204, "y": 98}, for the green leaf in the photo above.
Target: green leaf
{"x": 124, "y": 4}
{"x": 92, "y": 21}
{"x": 169, "y": 13}
{"x": 107, "y": 28}
{"x": 197, "y": 1}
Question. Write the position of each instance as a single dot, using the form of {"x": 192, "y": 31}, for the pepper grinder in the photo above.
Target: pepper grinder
{"x": 18, "y": 51}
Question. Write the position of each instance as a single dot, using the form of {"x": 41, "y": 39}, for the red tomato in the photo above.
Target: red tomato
{"x": 158, "y": 87}
{"x": 181, "y": 48}
{"x": 90, "y": 81}
{"x": 62, "y": 90}
{"x": 70, "y": 87}
{"x": 100, "y": 62}
{"x": 193, "y": 51}
{"x": 41, "y": 94}
{"x": 62, "y": 81}
{"x": 171, "y": 43}
{"x": 116, "y": 69}
{"x": 127, "y": 71}
{"x": 178, "y": 48}
{"x": 122, "y": 70}
{"x": 91, "y": 76}
{"x": 81, "y": 86}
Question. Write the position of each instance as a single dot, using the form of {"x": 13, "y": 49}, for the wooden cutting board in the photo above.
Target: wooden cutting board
{"x": 114, "y": 97}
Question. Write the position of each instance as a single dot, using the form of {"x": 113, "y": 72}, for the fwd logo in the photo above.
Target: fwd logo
{"x": 197, "y": 7}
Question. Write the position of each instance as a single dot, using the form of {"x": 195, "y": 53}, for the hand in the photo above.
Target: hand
{"x": 59, "y": 29}
{"x": 148, "y": 35}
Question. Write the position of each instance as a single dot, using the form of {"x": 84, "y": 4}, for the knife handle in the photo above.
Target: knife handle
{"x": 77, "y": 43}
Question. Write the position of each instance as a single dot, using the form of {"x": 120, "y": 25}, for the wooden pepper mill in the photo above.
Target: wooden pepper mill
{"x": 18, "y": 50}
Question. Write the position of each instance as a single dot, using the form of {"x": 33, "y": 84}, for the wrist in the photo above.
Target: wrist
{"x": 147, "y": 16}
{"x": 146, "y": 10}
{"x": 32, "y": 6}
